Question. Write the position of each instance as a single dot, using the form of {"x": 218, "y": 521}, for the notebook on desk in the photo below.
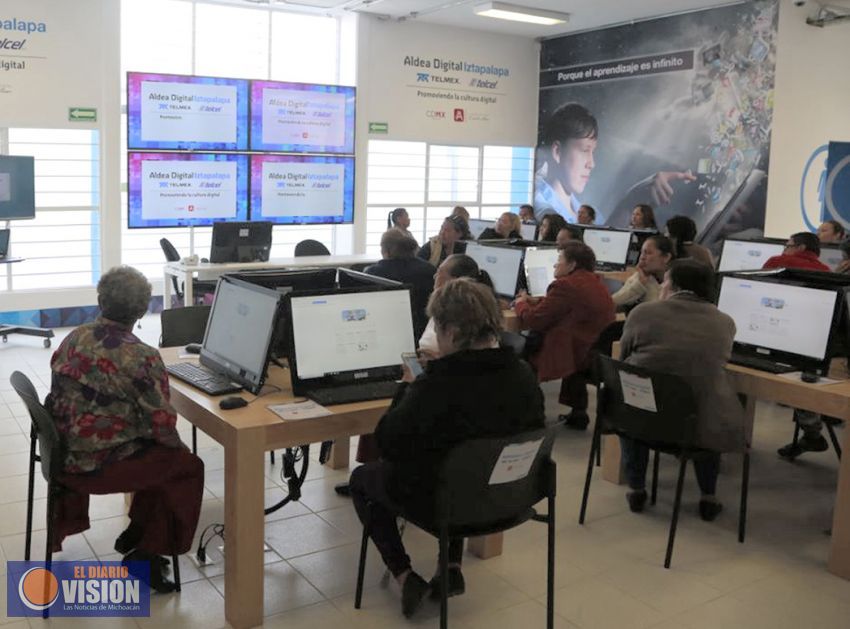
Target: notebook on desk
{"x": 346, "y": 345}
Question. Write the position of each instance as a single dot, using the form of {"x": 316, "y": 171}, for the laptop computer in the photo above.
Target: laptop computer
{"x": 611, "y": 247}
{"x": 346, "y": 345}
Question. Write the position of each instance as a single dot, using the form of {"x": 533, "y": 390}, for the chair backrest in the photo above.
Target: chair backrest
{"x": 603, "y": 346}
{"x": 513, "y": 340}
{"x": 169, "y": 250}
{"x": 181, "y": 326}
{"x": 50, "y": 444}
{"x": 311, "y": 247}
{"x": 465, "y": 495}
{"x": 628, "y": 396}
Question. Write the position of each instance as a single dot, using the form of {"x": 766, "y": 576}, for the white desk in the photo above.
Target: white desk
{"x": 184, "y": 272}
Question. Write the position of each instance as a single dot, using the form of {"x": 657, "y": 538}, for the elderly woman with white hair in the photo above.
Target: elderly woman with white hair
{"x": 110, "y": 399}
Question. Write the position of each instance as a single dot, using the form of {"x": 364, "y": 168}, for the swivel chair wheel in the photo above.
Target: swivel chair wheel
{"x": 46, "y": 343}
{"x": 5, "y": 338}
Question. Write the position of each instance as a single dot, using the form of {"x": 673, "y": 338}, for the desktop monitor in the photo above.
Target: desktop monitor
{"x": 611, "y": 246}
{"x": 831, "y": 256}
{"x": 240, "y": 330}
{"x": 540, "y": 269}
{"x": 357, "y": 279}
{"x": 478, "y": 225}
{"x": 284, "y": 282}
{"x": 17, "y": 187}
{"x": 528, "y": 231}
{"x": 241, "y": 242}
{"x": 743, "y": 254}
{"x": 787, "y": 321}
{"x": 348, "y": 336}
{"x": 502, "y": 263}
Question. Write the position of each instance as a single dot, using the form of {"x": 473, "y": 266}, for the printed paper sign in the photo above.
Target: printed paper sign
{"x": 638, "y": 392}
{"x": 514, "y": 462}
{"x": 299, "y": 410}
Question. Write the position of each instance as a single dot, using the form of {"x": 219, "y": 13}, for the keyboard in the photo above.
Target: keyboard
{"x": 762, "y": 364}
{"x": 202, "y": 378}
{"x": 359, "y": 392}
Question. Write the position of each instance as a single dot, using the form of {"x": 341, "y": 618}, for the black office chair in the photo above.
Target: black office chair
{"x": 513, "y": 340}
{"x": 671, "y": 429}
{"x": 198, "y": 286}
{"x": 468, "y": 505}
{"x": 311, "y": 247}
{"x": 51, "y": 455}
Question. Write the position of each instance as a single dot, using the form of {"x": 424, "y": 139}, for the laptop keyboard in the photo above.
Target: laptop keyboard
{"x": 359, "y": 392}
{"x": 762, "y": 364}
{"x": 202, "y": 378}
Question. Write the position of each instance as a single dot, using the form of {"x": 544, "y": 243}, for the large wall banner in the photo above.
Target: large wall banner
{"x": 674, "y": 112}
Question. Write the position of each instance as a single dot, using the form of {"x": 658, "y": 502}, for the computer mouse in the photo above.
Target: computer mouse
{"x": 193, "y": 348}
{"x": 229, "y": 403}
{"x": 808, "y": 376}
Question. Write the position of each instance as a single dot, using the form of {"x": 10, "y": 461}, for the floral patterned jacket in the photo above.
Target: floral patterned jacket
{"x": 109, "y": 396}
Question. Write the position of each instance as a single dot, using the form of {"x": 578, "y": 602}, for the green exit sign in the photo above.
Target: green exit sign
{"x": 379, "y": 127}
{"x": 82, "y": 114}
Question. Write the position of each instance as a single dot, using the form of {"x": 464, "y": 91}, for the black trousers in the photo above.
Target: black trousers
{"x": 635, "y": 458}
{"x": 574, "y": 391}
{"x": 378, "y": 512}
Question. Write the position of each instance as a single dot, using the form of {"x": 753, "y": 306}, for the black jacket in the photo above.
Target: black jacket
{"x": 465, "y": 395}
{"x": 492, "y": 234}
{"x": 419, "y": 275}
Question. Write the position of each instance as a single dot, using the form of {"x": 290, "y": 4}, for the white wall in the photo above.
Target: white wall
{"x": 811, "y": 107}
{"x": 502, "y": 110}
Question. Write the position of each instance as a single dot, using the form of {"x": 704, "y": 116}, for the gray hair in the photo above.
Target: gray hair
{"x": 123, "y": 294}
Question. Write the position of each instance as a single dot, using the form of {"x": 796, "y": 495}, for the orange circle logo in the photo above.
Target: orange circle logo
{"x": 38, "y": 588}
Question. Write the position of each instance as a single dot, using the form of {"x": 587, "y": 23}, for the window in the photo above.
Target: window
{"x": 260, "y": 43}
{"x": 61, "y": 246}
{"x": 429, "y": 180}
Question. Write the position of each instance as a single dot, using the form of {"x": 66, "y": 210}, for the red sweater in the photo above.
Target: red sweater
{"x": 801, "y": 260}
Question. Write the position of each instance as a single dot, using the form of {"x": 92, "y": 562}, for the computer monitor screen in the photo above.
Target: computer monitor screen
{"x": 302, "y": 189}
{"x": 17, "y": 187}
{"x": 528, "y": 231}
{"x": 611, "y": 246}
{"x": 240, "y": 330}
{"x": 170, "y": 111}
{"x": 501, "y": 263}
{"x": 540, "y": 269}
{"x": 186, "y": 189}
{"x": 478, "y": 225}
{"x": 356, "y": 279}
{"x": 743, "y": 255}
{"x": 241, "y": 242}
{"x": 302, "y": 117}
{"x": 831, "y": 256}
{"x": 349, "y": 332}
{"x": 779, "y": 317}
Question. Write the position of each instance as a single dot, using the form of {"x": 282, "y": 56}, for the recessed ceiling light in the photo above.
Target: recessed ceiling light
{"x": 516, "y": 13}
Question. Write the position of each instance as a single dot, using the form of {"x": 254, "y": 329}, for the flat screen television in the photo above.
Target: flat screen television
{"x": 302, "y": 117}
{"x": 172, "y": 111}
{"x": 302, "y": 189}
{"x": 186, "y": 189}
{"x": 17, "y": 187}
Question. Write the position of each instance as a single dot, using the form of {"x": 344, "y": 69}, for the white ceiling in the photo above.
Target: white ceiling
{"x": 586, "y": 14}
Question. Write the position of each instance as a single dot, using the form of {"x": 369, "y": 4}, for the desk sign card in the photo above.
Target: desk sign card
{"x": 78, "y": 588}
{"x": 514, "y": 462}
{"x": 638, "y": 392}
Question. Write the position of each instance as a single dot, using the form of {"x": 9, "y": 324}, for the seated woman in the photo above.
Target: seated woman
{"x": 475, "y": 390}
{"x": 456, "y": 266}
{"x": 109, "y": 397}
{"x": 453, "y": 232}
{"x": 568, "y": 233}
{"x": 575, "y": 310}
{"x": 507, "y": 226}
{"x": 550, "y": 225}
{"x": 643, "y": 217}
{"x": 685, "y": 334}
{"x": 460, "y": 212}
{"x": 400, "y": 220}
{"x": 831, "y": 232}
{"x": 682, "y": 230}
{"x": 645, "y": 284}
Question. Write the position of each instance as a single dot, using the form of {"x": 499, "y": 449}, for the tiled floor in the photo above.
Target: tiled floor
{"x": 609, "y": 572}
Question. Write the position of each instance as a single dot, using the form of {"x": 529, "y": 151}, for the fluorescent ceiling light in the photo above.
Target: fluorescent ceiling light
{"x": 505, "y": 11}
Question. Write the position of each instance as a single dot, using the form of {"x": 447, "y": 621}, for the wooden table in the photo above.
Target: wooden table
{"x": 831, "y": 399}
{"x": 246, "y": 434}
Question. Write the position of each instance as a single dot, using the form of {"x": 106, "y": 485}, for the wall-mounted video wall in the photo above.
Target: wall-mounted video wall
{"x": 207, "y": 149}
